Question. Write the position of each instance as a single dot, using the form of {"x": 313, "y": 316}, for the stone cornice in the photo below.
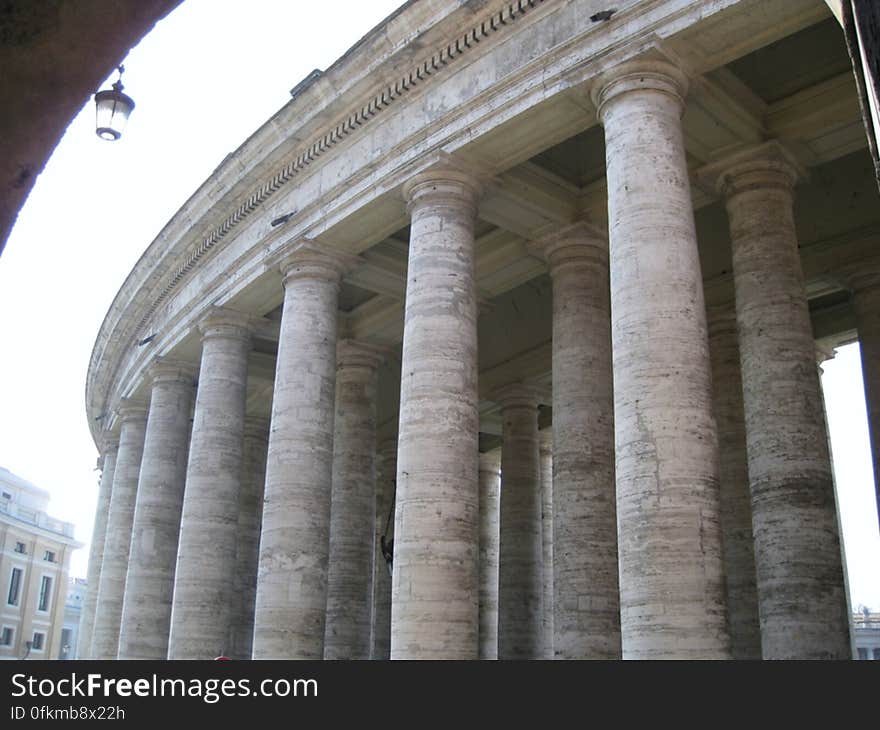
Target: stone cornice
{"x": 578, "y": 50}
{"x": 347, "y": 125}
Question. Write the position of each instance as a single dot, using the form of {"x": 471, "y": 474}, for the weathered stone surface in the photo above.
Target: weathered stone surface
{"x": 201, "y": 619}
{"x": 434, "y": 612}
{"x": 247, "y": 550}
{"x": 545, "y": 454}
{"x": 294, "y": 542}
{"x": 96, "y": 551}
{"x": 108, "y": 614}
{"x": 149, "y": 585}
{"x": 797, "y": 551}
{"x": 586, "y": 606}
{"x": 353, "y": 502}
{"x": 520, "y": 564}
{"x": 736, "y": 509}
{"x": 380, "y": 630}
{"x": 865, "y": 287}
{"x": 490, "y": 494}
{"x": 671, "y": 571}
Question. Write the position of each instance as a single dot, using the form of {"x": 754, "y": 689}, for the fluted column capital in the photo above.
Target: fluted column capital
{"x": 518, "y": 395}
{"x": 309, "y": 259}
{"x": 639, "y": 75}
{"x": 769, "y": 165}
{"x": 170, "y": 370}
{"x": 570, "y": 245}
{"x": 358, "y": 354}
{"x": 131, "y": 409}
{"x": 222, "y": 322}
{"x": 446, "y": 183}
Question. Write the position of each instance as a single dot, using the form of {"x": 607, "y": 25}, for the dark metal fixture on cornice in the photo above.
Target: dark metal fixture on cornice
{"x": 282, "y": 219}
{"x": 112, "y": 109}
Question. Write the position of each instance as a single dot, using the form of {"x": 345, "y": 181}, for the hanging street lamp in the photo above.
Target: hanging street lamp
{"x": 112, "y": 109}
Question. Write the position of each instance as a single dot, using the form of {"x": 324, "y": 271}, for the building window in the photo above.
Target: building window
{"x": 45, "y": 593}
{"x": 14, "y": 587}
{"x": 37, "y": 643}
{"x": 863, "y": 653}
{"x": 877, "y": 653}
{"x": 49, "y": 556}
{"x": 20, "y": 548}
{"x": 6, "y": 636}
{"x": 66, "y": 636}
{"x": 7, "y": 495}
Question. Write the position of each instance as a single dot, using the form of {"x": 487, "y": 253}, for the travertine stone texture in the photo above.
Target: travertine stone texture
{"x": 292, "y": 578}
{"x": 353, "y": 502}
{"x": 96, "y": 551}
{"x": 587, "y": 609}
{"x": 736, "y": 508}
{"x": 247, "y": 550}
{"x": 797, "y": 552}
{"x": 380, "y": 631}
{"x": 671, "y": 571}
{"x": 149, "y": 585}
{"x": 545, "y": 454}
{"x": 865, "y": 287}
{"x": 490, "y": 494}
{"x": 202, "y": 616}
{"x": 434, "y": 612}
{"x": 521, "y": 565}
{"x": 108, "y": 614}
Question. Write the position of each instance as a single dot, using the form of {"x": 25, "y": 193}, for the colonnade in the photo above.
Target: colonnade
{"x": 683, "y": 507}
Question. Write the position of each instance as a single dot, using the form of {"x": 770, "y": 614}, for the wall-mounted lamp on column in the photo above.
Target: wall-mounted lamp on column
{"x": 112, "y": 109}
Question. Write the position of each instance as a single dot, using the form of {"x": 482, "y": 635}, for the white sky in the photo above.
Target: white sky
{"x": 204, "y": 80}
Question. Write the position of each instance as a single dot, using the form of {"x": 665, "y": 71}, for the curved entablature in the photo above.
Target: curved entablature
{"x": 491, "y": 84}
{"x": 638, "y": 226}
{"x": 382, "y": 53}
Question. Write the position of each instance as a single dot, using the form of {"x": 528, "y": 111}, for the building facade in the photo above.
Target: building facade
{"x": 544, "y": 280}
{"x": 866, "y": 635}
{"x": 76, "y": 592}
{"x": 34, "y": 565}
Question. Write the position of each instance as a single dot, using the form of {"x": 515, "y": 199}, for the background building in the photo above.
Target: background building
{"x": 866, "y": 634}
{"x": 76, "y": 591}
{"x": 35, "y": 554}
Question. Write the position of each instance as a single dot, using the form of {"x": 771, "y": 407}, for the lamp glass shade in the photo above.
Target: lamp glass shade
{"x": 112, "y": 109}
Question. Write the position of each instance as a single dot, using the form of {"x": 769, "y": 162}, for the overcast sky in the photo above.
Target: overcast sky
{"x": 204, "y": 80}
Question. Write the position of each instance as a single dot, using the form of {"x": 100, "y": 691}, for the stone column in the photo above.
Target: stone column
{"x": 380, "y": 633}
{"x": 671, "y": 572}
{"x": 149, "y": 585}
{"x": 797, "y": 551}
{"x": 490, "y": 494}
{"x": 586, "y": 590}
{"x": 736, "y": 509}
{"x": 294, "y": 543}
{"x": 520, "y": 567}
{"x": 201, "y": 619}
{"x": 865, "y": 288}
{"x": 545, "y": 455}
{"x": 250, "y": 516}
{"x": 96, "y": 551}
{"x": 435, "y": 612}
{"x": 108, "y": 614}
{"x": 353, "y": 502}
